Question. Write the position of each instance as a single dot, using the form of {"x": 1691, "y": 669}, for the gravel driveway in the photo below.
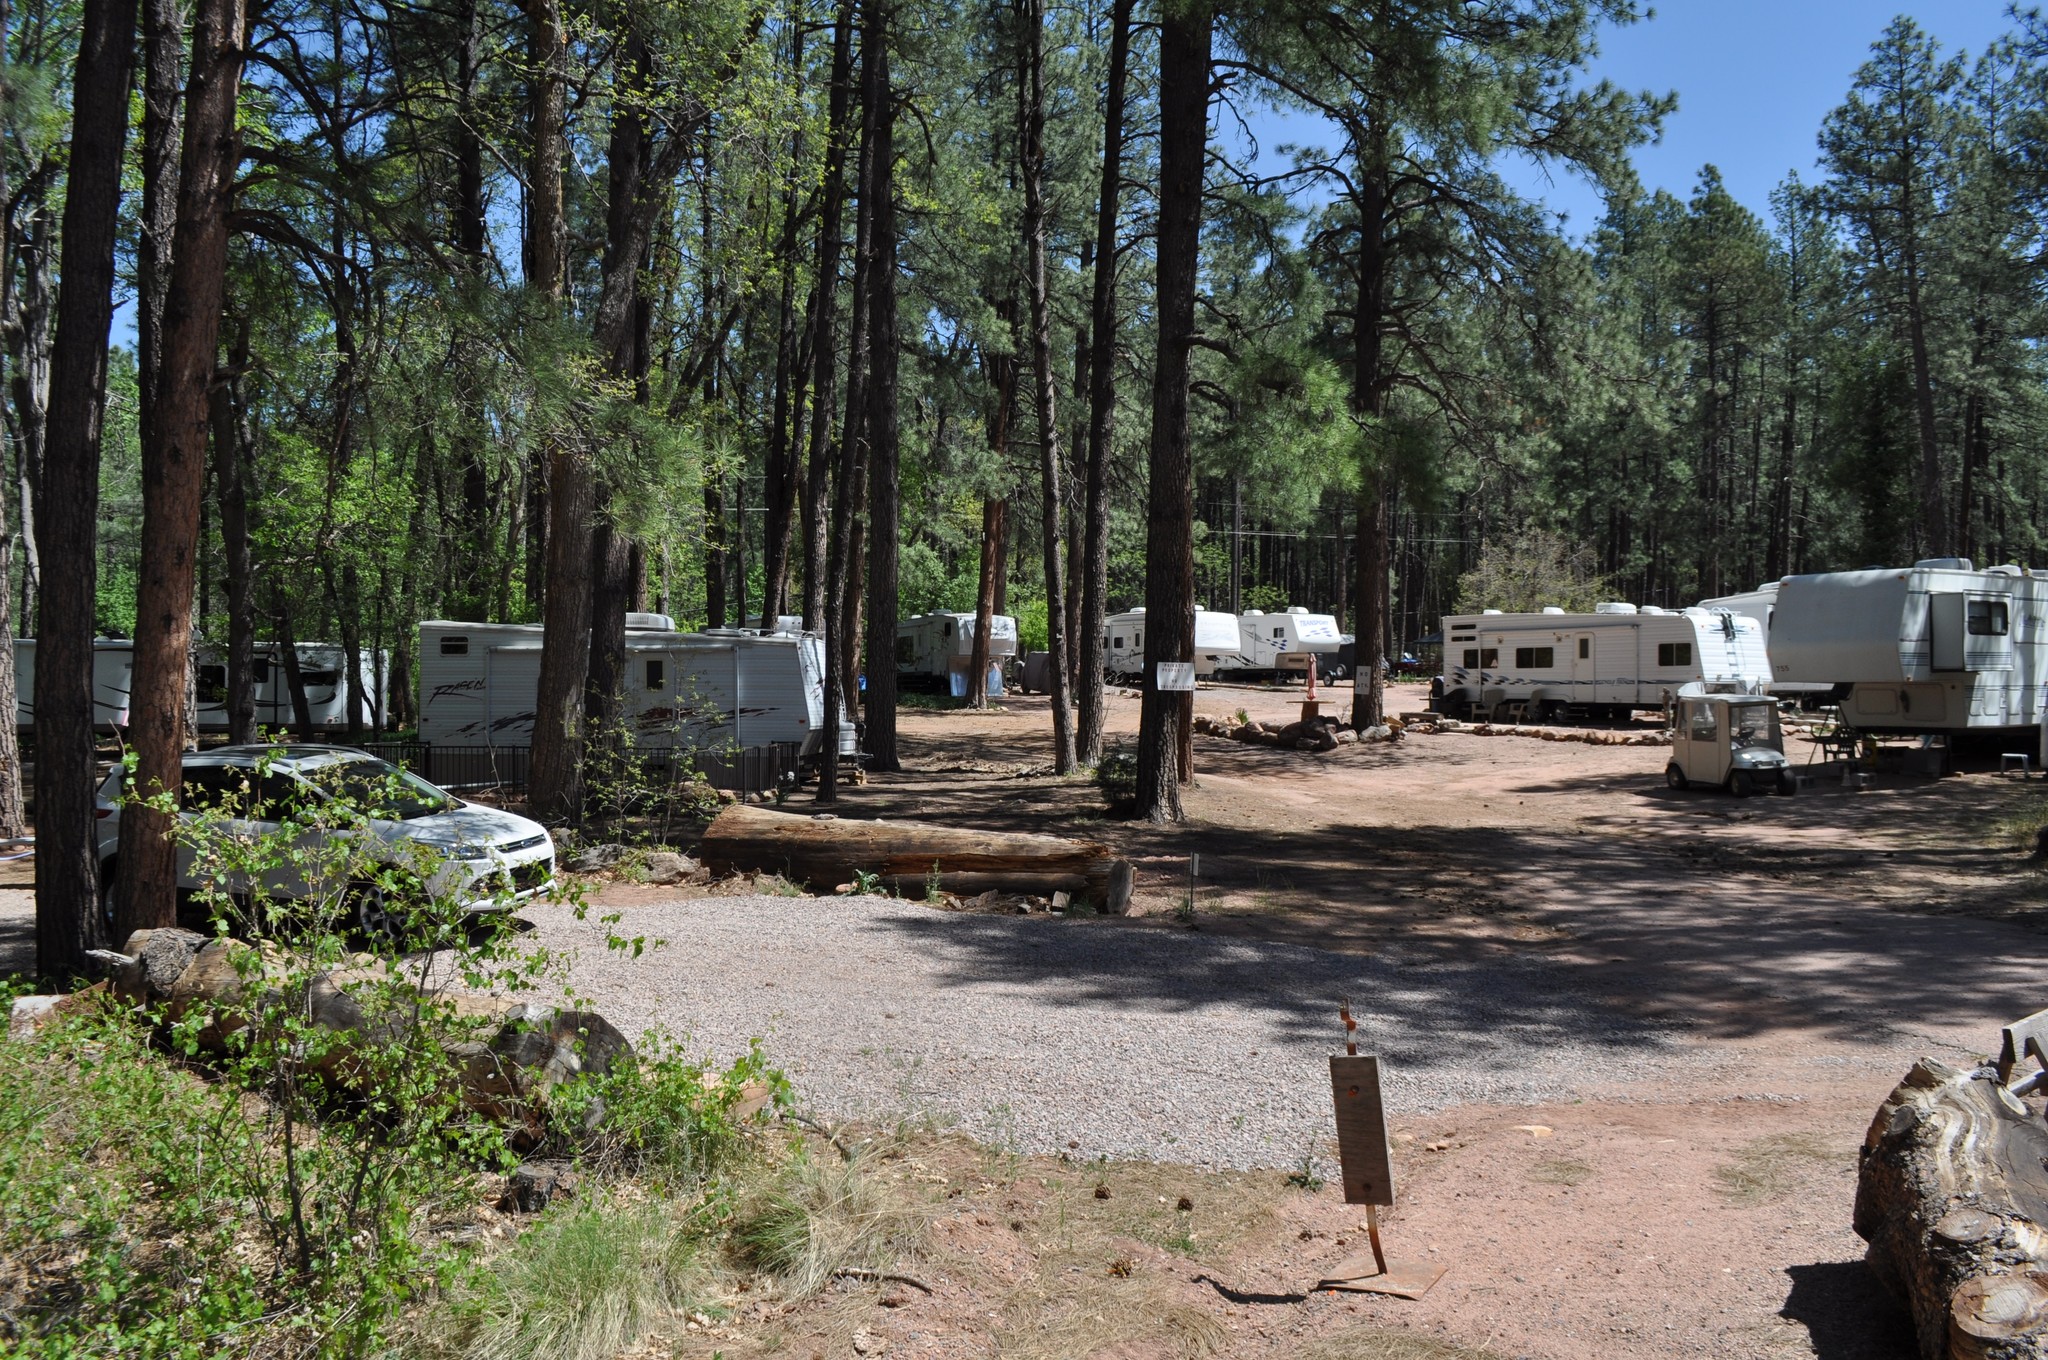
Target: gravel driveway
{"x": 1047, "y": 1034}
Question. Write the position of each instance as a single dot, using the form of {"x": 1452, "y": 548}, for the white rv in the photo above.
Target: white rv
{"x": 1761, "y": 604}
{"x": 934, "y": 651}
{"x": 322, "y": 669}
{"x": 1283, "y": 641}
{"x": 1608, "y": 663}
{"x": 1937, "y": 647}
{"x": 707, "y": 691}
{"x": 1123, "y": 643}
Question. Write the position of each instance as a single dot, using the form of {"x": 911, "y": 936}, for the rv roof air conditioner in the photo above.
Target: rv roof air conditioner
{"x": 649, "y": 623}
{"x": 1552, "y": 609}
{"x": 1489, "y": 611}
{"x": 1947, "y": 563}
{"x": 2003, "y": 571}
{"x": 1614, "y": 607}
{"x": 1653, "y": 609}
{"x": 1255, "y": 613}
{"x": 1139, "y": 610}
{"x": 1296, "y": 609}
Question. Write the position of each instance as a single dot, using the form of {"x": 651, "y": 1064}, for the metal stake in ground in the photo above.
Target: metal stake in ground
{"x": 1368, "y": 1168}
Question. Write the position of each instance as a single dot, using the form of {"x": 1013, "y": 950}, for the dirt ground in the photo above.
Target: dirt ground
{"x": 1812, "y": 946}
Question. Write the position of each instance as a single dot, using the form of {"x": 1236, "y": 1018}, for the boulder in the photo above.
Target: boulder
{"x": 666, "y": 866}
{"x": 592, "y": 859}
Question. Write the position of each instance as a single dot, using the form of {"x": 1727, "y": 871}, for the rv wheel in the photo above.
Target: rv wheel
{"x": 1675, "y": 777}
{"x": 1741, "y": 783}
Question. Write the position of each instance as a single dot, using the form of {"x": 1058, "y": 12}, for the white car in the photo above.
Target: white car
{"x": 489, "y": 859}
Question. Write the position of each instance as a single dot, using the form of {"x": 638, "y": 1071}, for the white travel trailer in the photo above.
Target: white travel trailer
{"x": 1123, "y": 643}
{"x": 934, "y": 652}
{"x": 1938, "y": 647}
{"x": 1761, "y": 604}
{"x": 322, "y": 670}
{"x": 1284, "y": 640}
{"x": 1608, "y": 663}
{"x": 711, "y": 691}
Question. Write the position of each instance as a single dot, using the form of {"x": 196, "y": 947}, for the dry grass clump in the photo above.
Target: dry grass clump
{"x": 1379, "y": 1343}
{"x": 583, "y": 1284}
{"x": 1769, "y": 1167}
{"x": 819, "y": 1216}
{"x": 1565, "y": 1171}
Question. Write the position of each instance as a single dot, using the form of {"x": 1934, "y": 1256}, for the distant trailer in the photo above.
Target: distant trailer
{"x": 323, "y": 668}
{"x": 1938, "y": 647}
{"x": 712, "y": 691}
{"x": 935, "y": 652}
{"x": 1123, "y": 643}
{"x": 1282, "y": 642}
{"x": 1761, "y": 604}
{"x": 1605, "y": 664}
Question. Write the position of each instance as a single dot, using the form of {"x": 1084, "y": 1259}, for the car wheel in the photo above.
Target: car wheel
{"x": 1741, "y": 783}
{"x": 379, "y": 919}
{"x": 1675, "y": 777}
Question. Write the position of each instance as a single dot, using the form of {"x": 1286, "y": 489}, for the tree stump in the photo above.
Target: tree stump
{"x": 1953, "y": 1199}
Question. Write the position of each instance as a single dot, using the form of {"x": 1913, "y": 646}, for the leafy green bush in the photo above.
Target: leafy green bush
{"x": 666, "y": 1116}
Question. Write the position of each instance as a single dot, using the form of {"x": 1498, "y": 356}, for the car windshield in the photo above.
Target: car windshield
{"x": 380, "y": 788}
{"x": 1754, "y": 725}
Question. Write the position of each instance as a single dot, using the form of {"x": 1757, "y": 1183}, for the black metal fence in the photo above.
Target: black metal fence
{"x": 755, "y": 769}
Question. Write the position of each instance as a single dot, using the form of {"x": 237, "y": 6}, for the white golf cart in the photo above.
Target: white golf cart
{"x": 1729, "y": 741}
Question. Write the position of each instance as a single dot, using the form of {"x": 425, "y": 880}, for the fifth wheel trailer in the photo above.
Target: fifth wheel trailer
{"x": 710, "y": 691}
{"x": 1939, "y": 647}
{"x": 322, "y": 671}
{"x": 1283, "y": 641}
{"x": 935, "y": 651}
{"x": 1761, "y": 604}
{"x": 1123, "y": 639}
{"x": 1607, "y": 663}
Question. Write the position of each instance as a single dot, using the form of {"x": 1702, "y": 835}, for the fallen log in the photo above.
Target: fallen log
{"x": 1952, "y": 1197}
{"x": 908, "y": 856}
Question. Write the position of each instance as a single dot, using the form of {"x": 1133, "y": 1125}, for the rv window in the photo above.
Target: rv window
{"x": 260, "y": 671}
{"x": 1279, "y": 633}
{"x": 1489, "y": 657}
{"x": 212, "y": 684}
{"x": 1535, "y": 658}
{"x": 656, "y": 680}
{"x": 949, "y": 628}
{"x": 1674, "y": 653}
{"x": 1116, "y": 643}
{"x": 1585, "y": 648}
{"x": 905, "y": 653}
{"x": 1471, "y": 658}
{"x": 454, "y": 646}
{"x": 1987, "y": 618}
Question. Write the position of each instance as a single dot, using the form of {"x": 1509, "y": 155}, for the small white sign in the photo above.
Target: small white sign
{"x": 1177, "y": 677}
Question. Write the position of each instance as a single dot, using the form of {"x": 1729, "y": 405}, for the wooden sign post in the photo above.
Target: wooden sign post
{"x": 1367, "y": 1160}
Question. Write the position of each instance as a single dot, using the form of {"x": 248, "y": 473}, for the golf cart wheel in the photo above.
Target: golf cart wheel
{"x": 1788, "y": 783}
{"x": 1675, "y": 777}
{"x": 1741, "y": 783}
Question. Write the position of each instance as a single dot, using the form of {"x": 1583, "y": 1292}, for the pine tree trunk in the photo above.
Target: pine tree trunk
{"x": 163, "y": 51}
{"x": 993, "y": 513}
{"x": 1102, "y": 342}
{"x": 1184, "y": 44}
{"x": 1368, "y": 402}
{"x": 174, "y": 464}
{"x": 67, "y": 866}
{"x": 546, "y": 250}
{"x": 1031, "y": 148}
{"x": 878, "y": 710}
{"x": 823, "y": 327}
{"x": 230, "y": 478}
{"x": 842, "y": 593}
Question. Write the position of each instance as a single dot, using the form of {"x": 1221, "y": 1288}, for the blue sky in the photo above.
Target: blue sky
{"x": 1754, "y": 79}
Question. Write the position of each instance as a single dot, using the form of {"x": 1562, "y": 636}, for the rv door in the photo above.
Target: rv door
{"x": 1582, "y": 668}
{"x": 1945, "y": 616}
